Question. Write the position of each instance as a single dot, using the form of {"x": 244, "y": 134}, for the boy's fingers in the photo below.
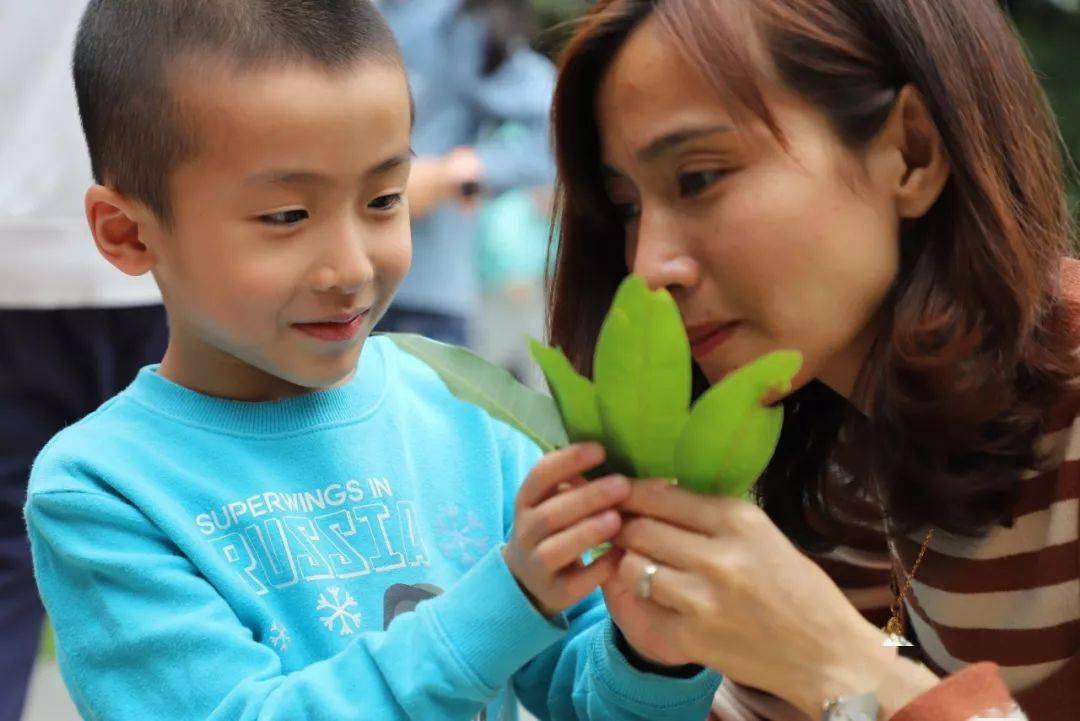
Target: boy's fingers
{"x": 557, "y": 552}
{"x": 558, "y": 467}
{"x": 579, "y": 582}
{"x": 567, "y": 508}
{"x": 571, "y": 484}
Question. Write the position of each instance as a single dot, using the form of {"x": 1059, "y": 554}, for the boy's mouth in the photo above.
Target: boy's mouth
{"x": 336, "y": 330}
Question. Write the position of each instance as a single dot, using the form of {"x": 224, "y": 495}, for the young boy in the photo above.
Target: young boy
{"x": 233, "y": 535}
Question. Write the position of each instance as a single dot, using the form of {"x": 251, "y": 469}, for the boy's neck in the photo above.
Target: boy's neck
{"x": 201, "y": 367}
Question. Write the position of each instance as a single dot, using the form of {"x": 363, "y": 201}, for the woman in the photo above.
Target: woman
{"x": 878, "y": 184}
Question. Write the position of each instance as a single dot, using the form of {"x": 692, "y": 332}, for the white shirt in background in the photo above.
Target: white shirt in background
{"x": 47, "y": 255}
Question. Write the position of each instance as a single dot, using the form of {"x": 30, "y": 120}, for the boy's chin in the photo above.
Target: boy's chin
{"x": 325, "y": 372}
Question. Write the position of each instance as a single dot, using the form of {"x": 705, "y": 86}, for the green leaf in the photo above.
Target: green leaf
{"x": 642, "y": 369}
{"x": 475, "y": 380}
{"x": 574, "y": 394}
{"x": 731, "y": 437}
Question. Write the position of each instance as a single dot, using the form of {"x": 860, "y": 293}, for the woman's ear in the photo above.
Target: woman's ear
{"x": 915, "y": 139}
{"x": 119, "y": 227}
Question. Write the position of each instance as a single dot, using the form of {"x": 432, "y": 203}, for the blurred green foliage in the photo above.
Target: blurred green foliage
{"x": 1052, "y": 35}
{"x": 555, "y": 22}
{"x": 47, "y": 648}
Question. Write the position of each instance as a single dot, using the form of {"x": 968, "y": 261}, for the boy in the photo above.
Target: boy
{"x": 233, "y": 536}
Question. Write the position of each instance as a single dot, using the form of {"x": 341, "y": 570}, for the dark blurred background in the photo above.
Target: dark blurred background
{"x": 1051, "y": 29}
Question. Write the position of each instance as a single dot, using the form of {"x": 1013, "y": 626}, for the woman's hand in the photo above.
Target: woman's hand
{"x": 733, "y": 593}
{"x": 653, "y": 630}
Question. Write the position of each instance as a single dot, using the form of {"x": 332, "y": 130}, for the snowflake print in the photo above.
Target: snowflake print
{"x": 339, "y": 611}
{"x": 279, "y": 636}
{"x": 460, "y": 534}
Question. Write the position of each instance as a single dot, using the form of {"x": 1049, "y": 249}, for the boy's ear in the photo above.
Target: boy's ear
{"x": 119, "y": 226}
{"x": 924, "y": 164}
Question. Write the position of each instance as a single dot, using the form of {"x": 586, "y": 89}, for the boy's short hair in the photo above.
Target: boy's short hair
{"x": 135, "y": 131}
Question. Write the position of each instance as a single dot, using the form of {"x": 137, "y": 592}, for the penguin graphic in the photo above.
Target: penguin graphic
{"x": 403, "y": 598}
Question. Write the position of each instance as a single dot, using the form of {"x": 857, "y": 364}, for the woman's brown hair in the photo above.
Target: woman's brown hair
{"x": 974, "y": 347}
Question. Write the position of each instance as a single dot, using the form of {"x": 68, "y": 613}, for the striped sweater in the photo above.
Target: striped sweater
{"x": 1011, "y": 597}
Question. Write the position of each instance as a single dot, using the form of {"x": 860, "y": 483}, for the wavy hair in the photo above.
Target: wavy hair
{"x": 975, "y": 345}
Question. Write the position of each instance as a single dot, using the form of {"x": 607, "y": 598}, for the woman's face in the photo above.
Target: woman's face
{"x": 762, "y": 247}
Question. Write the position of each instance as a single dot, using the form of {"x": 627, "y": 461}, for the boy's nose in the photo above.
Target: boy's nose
{"x": 346, "y": 268}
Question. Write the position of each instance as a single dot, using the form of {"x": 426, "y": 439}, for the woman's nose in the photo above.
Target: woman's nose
{"x": 660, "y": 253}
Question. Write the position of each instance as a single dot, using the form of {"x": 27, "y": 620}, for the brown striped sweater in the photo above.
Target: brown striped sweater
{"x": 1011, "y": 598}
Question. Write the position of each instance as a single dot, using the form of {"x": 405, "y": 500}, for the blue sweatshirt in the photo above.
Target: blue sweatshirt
{"x": 331, "y": 556}
{"x": 455, "y": 103}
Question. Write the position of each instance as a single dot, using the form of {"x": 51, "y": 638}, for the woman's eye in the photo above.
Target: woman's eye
{"x": 693, "y": 184}
{"x": 626, "y": 212}
{"x": 285, "y": 217}
{"x": 386, "y": 202}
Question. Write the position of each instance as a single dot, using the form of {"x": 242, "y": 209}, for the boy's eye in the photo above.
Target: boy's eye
{"x": 285, "y": 217}
{"x": 386, "y": 202}
{"x": 693, "y": 184}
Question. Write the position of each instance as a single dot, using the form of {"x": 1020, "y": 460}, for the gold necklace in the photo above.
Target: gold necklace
{"x": 894, "y": 629}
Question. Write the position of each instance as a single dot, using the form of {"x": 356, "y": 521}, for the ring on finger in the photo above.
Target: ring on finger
{"x": 644, "y": 584}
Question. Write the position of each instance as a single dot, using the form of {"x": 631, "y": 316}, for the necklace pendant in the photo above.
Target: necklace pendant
{"x": 894, "y": 630}
{"x": 896, "y": 640}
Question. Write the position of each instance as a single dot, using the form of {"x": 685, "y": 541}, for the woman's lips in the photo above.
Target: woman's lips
{"x": 704, "y": 339}
{"x": 333, "y": 331}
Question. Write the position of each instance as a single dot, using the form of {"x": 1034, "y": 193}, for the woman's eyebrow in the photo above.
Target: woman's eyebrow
{"x": 667, "y": 141}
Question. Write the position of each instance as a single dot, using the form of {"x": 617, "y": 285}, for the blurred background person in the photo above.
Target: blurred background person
{"x": 73, "y": 331}
{"x": 471, "y": 71}
{"x": 512, "y": 252}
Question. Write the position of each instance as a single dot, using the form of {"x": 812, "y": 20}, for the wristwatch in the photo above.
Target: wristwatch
{"x": 852, "y": 708}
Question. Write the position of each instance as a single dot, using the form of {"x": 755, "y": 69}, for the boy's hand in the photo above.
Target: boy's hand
{"x": 558, "y": 516}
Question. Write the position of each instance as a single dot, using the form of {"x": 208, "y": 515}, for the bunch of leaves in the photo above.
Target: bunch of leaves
{"x": 639, "y": 403}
